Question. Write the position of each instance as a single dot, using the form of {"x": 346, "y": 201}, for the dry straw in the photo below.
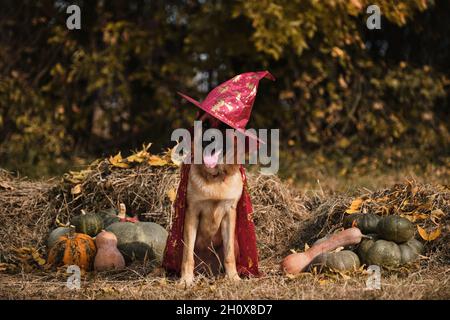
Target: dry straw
{"x": 285, "y": 218}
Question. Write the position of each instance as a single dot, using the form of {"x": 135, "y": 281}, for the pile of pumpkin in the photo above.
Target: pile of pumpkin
{"x": 106, "y": 240}
{"x": 370, "y": 239}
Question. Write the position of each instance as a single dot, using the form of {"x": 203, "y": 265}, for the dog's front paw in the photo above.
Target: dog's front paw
{"x": 233, "y": 277}
{"x": 185, "y": 282}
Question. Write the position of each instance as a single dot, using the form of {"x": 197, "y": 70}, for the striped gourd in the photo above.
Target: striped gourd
{"x": 73, "y": 249}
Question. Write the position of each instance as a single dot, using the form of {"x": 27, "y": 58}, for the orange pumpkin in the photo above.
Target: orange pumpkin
{"x": 73, "y": 249}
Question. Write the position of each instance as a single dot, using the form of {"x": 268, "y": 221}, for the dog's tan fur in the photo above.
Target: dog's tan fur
{"x": 210, "y": 221}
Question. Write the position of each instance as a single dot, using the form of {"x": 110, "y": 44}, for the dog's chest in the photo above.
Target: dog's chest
{"x": 228, "y": 190}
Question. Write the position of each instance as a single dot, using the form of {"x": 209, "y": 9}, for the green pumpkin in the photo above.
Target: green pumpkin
{"x": 88, "y": 223}
{"x": 140, "y": 240}
{"x": 54, "y": 236}
{"x": 416, "y": 244}
{"x": 365, "y": 245}
{"x": 395, "y": 228}
{"x": 109, "y": 216}
{"x": 383, "y": 253}
{"x": 408, "y": 254}
{"x": 366, "y": 222}
{"x": 344, "y": 260}
{"x": 410, "y": 251}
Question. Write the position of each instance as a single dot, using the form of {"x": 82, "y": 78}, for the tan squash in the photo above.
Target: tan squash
{"x": 298, "y": 262}
{"x": 108, "y": 256}
{"x": 73, "y": 249}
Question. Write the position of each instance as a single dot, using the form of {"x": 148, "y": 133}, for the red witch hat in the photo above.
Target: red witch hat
{"x": 231, "y": 102}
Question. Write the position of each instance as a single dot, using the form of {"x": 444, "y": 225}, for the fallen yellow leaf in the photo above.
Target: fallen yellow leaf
{"x": 172, "y": 194}
{"x": 76, "y": 189}
{"x": 37, "y": 257}
{"x": 429, "y": 236}
{"x": 116, "y": 161}
{"x": 138, "y": 158}
{"x": 415, "y": 217}
{"x": 355, "y": 206}
{"x": 156, "y": 161}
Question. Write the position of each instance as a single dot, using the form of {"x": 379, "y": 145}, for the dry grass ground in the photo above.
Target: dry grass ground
{"x": 432, "y": 283}
{"x": 286, "y": 217}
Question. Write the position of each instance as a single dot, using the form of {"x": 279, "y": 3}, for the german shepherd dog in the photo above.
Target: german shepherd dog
{"x": 213, "y": 192}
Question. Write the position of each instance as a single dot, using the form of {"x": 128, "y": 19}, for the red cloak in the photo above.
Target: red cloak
{"x": 247, "y": 261}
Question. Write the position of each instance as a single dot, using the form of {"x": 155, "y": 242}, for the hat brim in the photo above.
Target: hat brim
{"x": 198, "y": 104}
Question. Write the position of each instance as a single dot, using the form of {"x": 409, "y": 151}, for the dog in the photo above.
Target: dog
{"x": 213, "y": 192}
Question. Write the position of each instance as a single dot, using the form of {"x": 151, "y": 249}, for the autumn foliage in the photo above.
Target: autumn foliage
{"x": 111, "y": 85}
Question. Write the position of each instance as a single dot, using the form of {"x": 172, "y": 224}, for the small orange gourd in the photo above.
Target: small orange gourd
{"x": 73, "y": 249}
{"x": 108, "y": 256}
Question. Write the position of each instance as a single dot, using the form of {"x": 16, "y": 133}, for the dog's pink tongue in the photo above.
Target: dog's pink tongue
{"x": 211, "y": 160}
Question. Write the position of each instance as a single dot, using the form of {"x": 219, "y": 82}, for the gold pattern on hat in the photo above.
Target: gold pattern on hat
{"x": 229, "y": 106}
{"x": 224, "y": 89}
{"x": 219, "y": 104}
{"x": 236, "y": 78}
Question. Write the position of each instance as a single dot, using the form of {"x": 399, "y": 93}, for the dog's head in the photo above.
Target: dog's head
{"x": 217, "y": 159}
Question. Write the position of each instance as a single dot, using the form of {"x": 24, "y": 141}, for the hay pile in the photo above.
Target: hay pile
{"x": 32, "y": 209}
{"x": 284, "y": 217}
{"x": 26, "y": 214}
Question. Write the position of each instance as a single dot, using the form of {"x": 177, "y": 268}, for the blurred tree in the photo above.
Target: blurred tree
{"x": 111, "y": 85}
